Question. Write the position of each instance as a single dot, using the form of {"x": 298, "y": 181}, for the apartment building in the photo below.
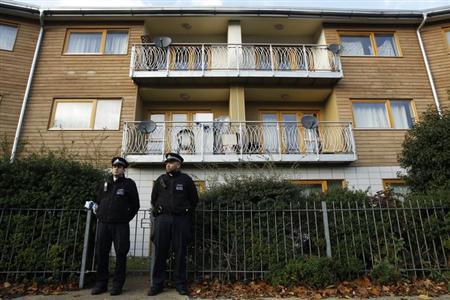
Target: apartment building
{"x": 324, "y": 97}
{"x": 19, "y": 30}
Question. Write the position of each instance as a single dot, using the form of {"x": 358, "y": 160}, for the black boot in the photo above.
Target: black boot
{"x": 155, "y": 290}
{"x": 115, "y": 291}
{"x": 99, "y": 289}
{"x": 182, "y": 290}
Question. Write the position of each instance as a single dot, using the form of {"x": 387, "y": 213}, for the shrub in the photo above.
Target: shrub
{"x": 313, "y": 271}
{"x": 48, "y": 240}
{"x": 47, "y": 181}
{"x": 385, "y": 273}
{"x": 425, "y": 154}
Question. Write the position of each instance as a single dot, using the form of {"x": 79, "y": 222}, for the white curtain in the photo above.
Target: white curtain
{"x": 356, "y": 45}
{"x": 270, "y": 133}
{"x": 108, "y": 114}
{"x": 448, "y": 38}
{"x": 116, "y": 42}
{"x": 73, "y": 115}
{"x": 401, "y": 114}
{"x": 370, "y": 115}
{"x": 386, "y": 45}
{"x": 84, "y": 42}
{"x": 7, "y": 36}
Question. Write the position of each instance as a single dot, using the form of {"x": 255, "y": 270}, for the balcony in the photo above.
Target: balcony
{"x": 230, "y": 142}
{"x": 236, "y": 63}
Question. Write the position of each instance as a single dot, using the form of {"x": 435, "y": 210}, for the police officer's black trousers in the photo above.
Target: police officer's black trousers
{"x": 175, "y": 229}
{"x": 119, "y": 234}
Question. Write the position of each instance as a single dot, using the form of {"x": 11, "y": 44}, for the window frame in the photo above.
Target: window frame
{"x": 387, "y": 103}
{"x": 373, "y": 42}
{"x": 445, "y": 31}
{"x": 104, "y": 32}
{"x": 389, "y": 181}
{"x": 200, "y": 185}
{"x": 94, "y": 101}
{"x": 17, "y": 34}
{"x": 323, "y": 182}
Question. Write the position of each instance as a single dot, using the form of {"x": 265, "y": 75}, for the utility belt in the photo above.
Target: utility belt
{"x": 161, "y": 211}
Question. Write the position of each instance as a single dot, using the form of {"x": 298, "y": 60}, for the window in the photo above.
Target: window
{"x": 317, "y": 186}
{"x": 97, "y": 41}
{"x": 397, "y": 186}
{"x": 200, "y": 184}
{"x": 86, "y": 114}
{"x": 447, "y": 36}
{"x": 8, "y": 35}
{"x": 290, "y": 130}
{"x": 396, "y": 114}
{"x": 369, "y": 44}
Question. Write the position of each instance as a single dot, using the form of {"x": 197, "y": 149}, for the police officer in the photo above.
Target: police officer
{"x": 174, "y": 198}
{"x": 117, "y": 204}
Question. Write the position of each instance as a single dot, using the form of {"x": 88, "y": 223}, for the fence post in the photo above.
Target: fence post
{"x": 85, "y": 248}
{"x": 326, "y": 228}
{"x": 152, "y": 247}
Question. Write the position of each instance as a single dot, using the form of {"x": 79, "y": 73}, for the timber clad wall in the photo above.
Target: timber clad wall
{"x": 79, "y": 76}
{"x": 381, "y": 78}
{"x": 14, "y": 70}
{"x": 438, "y": 53}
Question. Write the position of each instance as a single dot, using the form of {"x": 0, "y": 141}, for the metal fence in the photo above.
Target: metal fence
{"x": 237, "y": 241}
{"x": 41, "y": 242}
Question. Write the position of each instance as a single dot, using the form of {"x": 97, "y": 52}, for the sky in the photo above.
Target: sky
{"x": 323, "y": 4}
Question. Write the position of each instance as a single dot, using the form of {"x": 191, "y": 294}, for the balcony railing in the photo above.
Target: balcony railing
{"x": 240, "y": 141}
{"x": 229, "y": 60}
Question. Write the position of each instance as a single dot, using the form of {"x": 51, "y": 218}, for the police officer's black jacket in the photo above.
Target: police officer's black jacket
{"x": 175, "y": 193}
{"x": 119, "y": 203}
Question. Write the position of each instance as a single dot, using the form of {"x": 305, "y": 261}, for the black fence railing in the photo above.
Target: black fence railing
{"x": 235, "y": 241}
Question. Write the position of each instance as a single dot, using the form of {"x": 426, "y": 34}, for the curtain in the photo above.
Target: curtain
{"x": 370, "y": 115}
{"x": 386, "y": 45}
{"x": 270, "y": 133}
{"x": 116, "y": 42}
{"x": 401, "y": 114}
{"x": 84, "y": 42}
{"x": 73, "y": 115}
{"x": 7, "y": 36}
{"x": 107, "y": 114}
{"x": 356, "y": 45}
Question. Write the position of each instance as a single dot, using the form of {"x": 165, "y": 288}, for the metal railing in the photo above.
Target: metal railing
{"x": 238, "y": 138}
{"x": 41, "y": 242}
{"x": 217, "y": 57}
{"x": 237, "y": 241}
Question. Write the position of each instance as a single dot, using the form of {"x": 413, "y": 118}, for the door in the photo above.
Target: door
{"x": 203, "y": 132}
{"x": 290, "y": 133}
{"x": 310, "y": 136}
{"x": 156, "y": 138}
{"x": 270, "y": 132}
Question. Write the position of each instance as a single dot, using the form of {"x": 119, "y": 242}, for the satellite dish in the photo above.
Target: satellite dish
{"x": 335, "y": 48}
{"x": 162, "y": 41}
{"x": 147, "y": 127}
{"x": 309, "y": 122}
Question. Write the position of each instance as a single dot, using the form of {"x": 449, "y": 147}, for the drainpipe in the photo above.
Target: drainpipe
{"x": 28, "y": 88}
{"x": 427, "y": 66}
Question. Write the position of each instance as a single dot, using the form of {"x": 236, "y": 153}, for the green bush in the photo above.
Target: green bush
{"x": 425, "y": 154}
{"x": 47, "y": 181}
{"x": 314, "y": 271}
{"x": 47, "y": 233}
{"x": 385, "y": 273}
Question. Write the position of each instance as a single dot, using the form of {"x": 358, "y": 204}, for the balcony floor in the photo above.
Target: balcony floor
{"x": 219, "y": 78}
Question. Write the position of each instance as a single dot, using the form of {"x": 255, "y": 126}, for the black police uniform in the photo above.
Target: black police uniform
{"x": 118, "y": 203}
{"x": 174, "y": 198}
